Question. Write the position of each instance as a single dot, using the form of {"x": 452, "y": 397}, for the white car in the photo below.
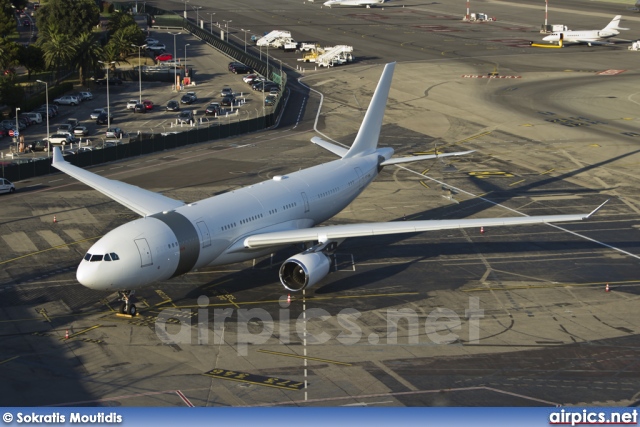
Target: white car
{"x": 131, "y": 104}
{"x": 157, "y": 47}
{"x": 150, "y": 41}
{"x": 81, "y": 131}
{"x": 86, "y": 96}
{"x": 6, "y": 186}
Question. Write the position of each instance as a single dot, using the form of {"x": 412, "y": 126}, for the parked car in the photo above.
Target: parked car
{"x": 102, "y": 118}
{"x": 3, "y": 132}
{"x": 150, "y": 41}
{"x": 34, "y": 117}
{"x": 86, "y": 96}
{"x": 241, "y": 69}
{"x": 139, "y": 108}
{"x": 94, "y": 115}
{"x": 112, "y": 81}
{"x": 131, "y": 104}
{"x": 173, "y": 106}
{"x": 186, "y": 116}
{"x": 212, "y": 109}
{"x": 81, "y": 131}
{"x": 275, "y": 91}
{"x": 226, "y": 91}
{"x": 65, "y": 128}
{"x": 270, "y": 100}
{"x": 234, "y": 64}
{"x": 250, "y": 78}
{"x": 188, "y": 98}
{"x": 156, "y": 47}
{"x": 66, "y": 100}
{"x": 39, "y": 145}
{"x": 61, "y": 139}
{"x": 227, "y": 101}
{"x": 114, "y": 133}
{"x": 148, "y": 105}
{"x": 6, "y": 186}
{"x": 164, "y": 57}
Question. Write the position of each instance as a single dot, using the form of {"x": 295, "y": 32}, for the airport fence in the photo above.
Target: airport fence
{"x": 148, "y": 143}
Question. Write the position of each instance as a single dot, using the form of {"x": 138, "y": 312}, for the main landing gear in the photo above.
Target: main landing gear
{"x": 127, "y": 307}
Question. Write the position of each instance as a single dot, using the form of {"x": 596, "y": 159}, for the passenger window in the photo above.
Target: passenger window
{"x": 96, "y": 258}
{"x": 107, "y": 257}
{"x": 114, "y": 257}
{"x": 87, "y": 257}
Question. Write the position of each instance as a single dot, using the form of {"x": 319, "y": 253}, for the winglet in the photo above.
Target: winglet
{"x": 366, "y": 141}
{"x": 596, "y": 209}
{"x": 57, "y": 156}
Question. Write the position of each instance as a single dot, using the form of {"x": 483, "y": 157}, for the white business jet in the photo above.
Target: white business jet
{"x": 590, "y": 37}
{"x": 173, "y": 238}
{"x": 366, "y": 3}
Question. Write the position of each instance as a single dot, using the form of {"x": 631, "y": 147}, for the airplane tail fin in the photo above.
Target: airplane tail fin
{"x": 615, "y": 24}
{"x": 366, "y": 141}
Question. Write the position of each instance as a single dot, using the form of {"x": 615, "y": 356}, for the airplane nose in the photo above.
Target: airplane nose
{"x": 88, "y": 275}
{"x": 548, "y": 38}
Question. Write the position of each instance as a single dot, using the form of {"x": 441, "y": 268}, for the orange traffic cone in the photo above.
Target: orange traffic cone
{"x": 54, "y": 219}
{"x": 606, "y": 289}
{"x": 481, "y": 230}
{"x": 66, "y": 335}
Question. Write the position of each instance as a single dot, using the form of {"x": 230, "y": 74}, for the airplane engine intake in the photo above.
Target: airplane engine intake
{"x": 304, "y": 270}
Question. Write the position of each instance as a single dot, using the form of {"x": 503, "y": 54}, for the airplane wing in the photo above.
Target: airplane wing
{"x": 335, "y": 232}
{"x": 139, "y": 200}
{"x": 594, "y": 42}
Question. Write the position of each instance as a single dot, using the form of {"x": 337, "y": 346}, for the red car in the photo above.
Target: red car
{"x": 147, "y": 104}
{"x": 164, "y": 57}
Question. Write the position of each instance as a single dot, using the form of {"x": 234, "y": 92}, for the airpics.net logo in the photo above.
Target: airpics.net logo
{"x": 315, "y": 326}
{"x": 584, "y": 417}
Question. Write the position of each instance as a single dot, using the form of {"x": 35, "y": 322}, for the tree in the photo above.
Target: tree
{"x": 32, "y": 58}
{"x": 88, "y": 51}
{"x": 119, "y": 21}
{"x": 7, "y": 21}
{"x": 8, "y": 54}
{"x": 78, "y": 16}
{"x": 58, "y": 51}
{"x": 11, "y": 93}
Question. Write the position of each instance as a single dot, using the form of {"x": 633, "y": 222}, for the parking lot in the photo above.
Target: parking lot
{"x": 210, "y": 75}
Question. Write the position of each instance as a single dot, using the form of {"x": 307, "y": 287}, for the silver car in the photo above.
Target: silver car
{"x": 6, "y": 186}
{"x": 94, "y": 115}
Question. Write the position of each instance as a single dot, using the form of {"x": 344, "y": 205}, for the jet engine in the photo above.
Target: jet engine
{"x": 304, "y": 270}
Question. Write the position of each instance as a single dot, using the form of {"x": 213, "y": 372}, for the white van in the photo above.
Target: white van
{"x": 34, "y": 117}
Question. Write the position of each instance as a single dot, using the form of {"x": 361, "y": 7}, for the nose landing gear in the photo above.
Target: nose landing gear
{"x": 127, "y": 307}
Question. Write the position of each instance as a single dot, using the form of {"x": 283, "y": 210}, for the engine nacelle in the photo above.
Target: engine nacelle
{"x": 304, "y": 270}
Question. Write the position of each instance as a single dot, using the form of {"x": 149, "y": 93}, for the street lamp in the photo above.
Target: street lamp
{"x": 175, "y": 71}
{"x": 17, "y": 132}
{"x": 227, "y": 27}
{"x": 185, "y": 58}
{"x": 108, "y": 65}
{"x": 185, "y": 8}
{"x": 197, "y": 8}
{"x": 245, "y": 38}
{"x": 46, "y": 89}
{"x": 211, "y": 22}
{"x": 139, "y": 68}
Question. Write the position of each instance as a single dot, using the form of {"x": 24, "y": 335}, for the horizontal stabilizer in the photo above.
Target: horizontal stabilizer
{"x": 335, "y": 149}
{"x": 397, "y": 160}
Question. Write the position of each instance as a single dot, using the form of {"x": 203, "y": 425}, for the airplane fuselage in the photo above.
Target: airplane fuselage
{"x": 210, "y": 232}
{"x": 581, "y": 36}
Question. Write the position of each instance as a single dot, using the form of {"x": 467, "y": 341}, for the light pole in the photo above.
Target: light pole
{"x": 185, "y": 58}
{"x": 185, "y": 8}
{"x": 211, "y": 21}
{"x": 227, "y": 27}
{"x": 197, "y": 8}
{"x": 139, "y": 68}
{"x": 108, "y": 65}
{"x": 17, "y": 132}
{"x": 245, "y": 38}
{"x": 175, "y": 70}
{"x": 46, "y": 91}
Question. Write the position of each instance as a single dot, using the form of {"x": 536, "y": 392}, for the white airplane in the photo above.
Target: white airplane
{"x": 590, "y": 37}
{"x": 367, "y": 3}
{"x": 173, "y": 238}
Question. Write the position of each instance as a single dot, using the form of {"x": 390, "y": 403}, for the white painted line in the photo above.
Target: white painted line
{"x": 34, "y": 185}
{"x": 56, "y": 180}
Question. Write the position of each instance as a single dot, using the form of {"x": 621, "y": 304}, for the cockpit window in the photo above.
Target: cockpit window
{"x": 95, "y": 258}
{"x": 87, "y": 257}
{"x": 107, "y": 257}
{"x": 114, "y": 256}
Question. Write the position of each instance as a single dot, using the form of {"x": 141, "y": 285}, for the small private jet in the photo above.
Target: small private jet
{"x": 173, "y": 238}
{"x": 589, "y": 37}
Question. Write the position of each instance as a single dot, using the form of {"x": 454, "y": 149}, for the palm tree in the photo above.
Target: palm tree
{"x": 88, "y": 52}
{"x": 58, "y": 49}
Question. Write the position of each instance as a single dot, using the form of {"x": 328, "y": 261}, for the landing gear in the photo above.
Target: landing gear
{"x": 127, "y": 307}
